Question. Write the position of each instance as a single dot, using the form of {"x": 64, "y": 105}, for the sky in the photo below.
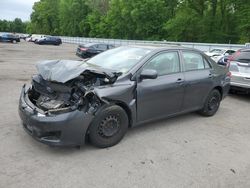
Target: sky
{"x": 11, "y": 9}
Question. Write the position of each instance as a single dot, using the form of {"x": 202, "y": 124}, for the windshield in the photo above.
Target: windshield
{"x": 121, "y": 59}
{"x": 88, "y": 45}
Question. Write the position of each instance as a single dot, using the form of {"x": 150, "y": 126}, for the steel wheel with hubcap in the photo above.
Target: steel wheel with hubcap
{"x": 108, "y": 127}
{"x": 212, "y": 103}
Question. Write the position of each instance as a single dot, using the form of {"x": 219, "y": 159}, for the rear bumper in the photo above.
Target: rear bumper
{"x": 240, "y": 82}
{"x": 67, "y": 129}
{"x": 241, "y": 85}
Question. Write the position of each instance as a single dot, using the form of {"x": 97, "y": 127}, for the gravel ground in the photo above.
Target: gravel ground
{"x": 185, "y": 151}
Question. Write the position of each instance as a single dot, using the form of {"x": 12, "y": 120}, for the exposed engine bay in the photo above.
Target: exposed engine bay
{"x": 54, "y": 97}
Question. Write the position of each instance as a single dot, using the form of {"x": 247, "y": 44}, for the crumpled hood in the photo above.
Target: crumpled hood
{"x": 64, "y": 70}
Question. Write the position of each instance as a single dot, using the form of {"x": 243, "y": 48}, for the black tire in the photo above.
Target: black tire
{"x": 108, "y": 127}
{"x": 212, "y": 103}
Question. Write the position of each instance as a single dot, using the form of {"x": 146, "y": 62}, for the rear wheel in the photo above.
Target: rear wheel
{"x": 14, "y": 41}
{"x": 212, "y": 103}
{"x": 109, "y": 127}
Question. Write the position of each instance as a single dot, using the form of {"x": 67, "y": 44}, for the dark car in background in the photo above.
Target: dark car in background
{"x": 9, "y": 37}
{"x": 50, "y": 40}
{"x": 102, "y": 97}
{"x": 92, "y": 49}
{"x": 239, "y": 66}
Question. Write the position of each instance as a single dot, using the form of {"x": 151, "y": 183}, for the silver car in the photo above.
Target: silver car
{"x": 240, "y": 69}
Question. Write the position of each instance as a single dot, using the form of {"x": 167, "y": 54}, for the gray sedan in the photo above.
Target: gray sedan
{"x": 99, "y": 99}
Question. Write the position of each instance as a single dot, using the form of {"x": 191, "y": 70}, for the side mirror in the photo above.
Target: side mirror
{"x": 148, "y": 74}
{"x": 226, "y": 54}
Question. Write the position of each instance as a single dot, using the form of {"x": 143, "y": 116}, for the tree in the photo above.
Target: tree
{"x": 16, "y": 26}
{"x": 220, "y": 21}
{"x": 136, "y": 19}
{"x": 73, "y": 15}
{"x": 44, "y": 17}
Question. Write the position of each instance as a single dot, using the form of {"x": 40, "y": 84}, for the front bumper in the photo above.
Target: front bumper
{"x": 66, "y": 129}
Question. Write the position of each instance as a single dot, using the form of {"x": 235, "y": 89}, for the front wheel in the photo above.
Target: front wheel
{"x": 109, "y": 127}
{"x": 212, "y": 103}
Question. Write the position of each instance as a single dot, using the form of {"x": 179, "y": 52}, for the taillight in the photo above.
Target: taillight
{"x": 83, "y": 49}
{"x": 229, "y": 74}
{"x": 232, "y": 58}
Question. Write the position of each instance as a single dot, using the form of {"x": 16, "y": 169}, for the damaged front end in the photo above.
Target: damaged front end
{"x": 57, "y": 107}
{"x": 54, "y": 98}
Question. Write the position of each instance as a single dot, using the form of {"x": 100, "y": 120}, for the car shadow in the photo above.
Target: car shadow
{"x": 241, "y": 96}
{"x": 146, "y": 127}
{"x": 161, "y": 123}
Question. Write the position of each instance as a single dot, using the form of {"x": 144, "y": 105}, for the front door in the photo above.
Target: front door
{"x": 162, "y": 96}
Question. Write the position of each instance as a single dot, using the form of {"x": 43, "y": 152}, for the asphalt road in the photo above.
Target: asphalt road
{"x": 185, "y": 151}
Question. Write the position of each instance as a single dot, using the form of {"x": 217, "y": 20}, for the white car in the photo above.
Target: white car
{"x": 35, "y": 37}
{"x": 217, "y": 54}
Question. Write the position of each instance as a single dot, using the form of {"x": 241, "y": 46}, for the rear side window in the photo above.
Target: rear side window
{"x": 207, "y": 64}
{"x": 102, "y": 47}
{"x": 194, "y": 61}
{"x": 243, "y": 56}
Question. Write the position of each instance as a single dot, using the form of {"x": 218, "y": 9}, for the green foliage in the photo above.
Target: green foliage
{"x": 243, "y": 17}
{"x": 45, "y": 18}
{"x": 16, "y": 26}
{"x": 204, "y": 21}
{"x": 219, "y": 21}
{"x": 72, "y": 14}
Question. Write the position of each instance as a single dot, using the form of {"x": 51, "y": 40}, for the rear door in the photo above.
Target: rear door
{"x": 198, "y": 75}
{"x": 162, "y": 96}
{"x": 48, "y": 40}
{"x": 102, "y": 47}
{"x": 92, "y": 50}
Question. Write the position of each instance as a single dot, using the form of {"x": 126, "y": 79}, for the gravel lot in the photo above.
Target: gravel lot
{"x": 186, "y": 151}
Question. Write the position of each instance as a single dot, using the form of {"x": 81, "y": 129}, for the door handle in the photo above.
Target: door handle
{"x": 179, "y": 80}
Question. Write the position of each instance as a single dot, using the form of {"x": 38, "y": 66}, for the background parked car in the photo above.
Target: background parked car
{"x": 8, "y": 37}
{"x": 240, "y": 69}
{"x": 92, "y": 49}
{"x": 49, "y": 40}
{"x": 217, "y": 54}
{"x": 24, "y": 36}
{"x": 35, "y": 37}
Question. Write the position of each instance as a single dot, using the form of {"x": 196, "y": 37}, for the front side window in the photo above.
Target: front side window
{"x": 194, "y": 61}
{"x": 165, "y": 63}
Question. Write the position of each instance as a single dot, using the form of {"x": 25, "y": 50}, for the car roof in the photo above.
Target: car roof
{"x": 163, "y": 47}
